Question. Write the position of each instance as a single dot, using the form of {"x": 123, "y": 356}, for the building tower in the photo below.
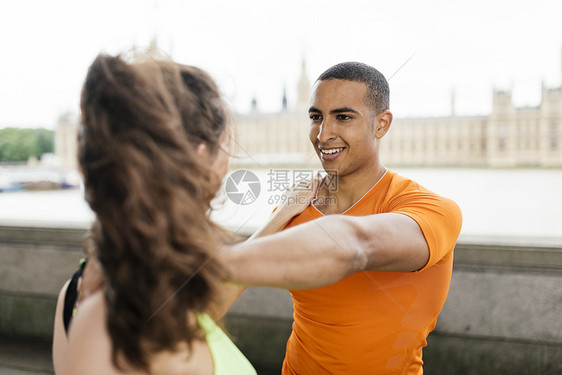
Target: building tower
{"x": 303, "y": 90}
{"x": 452, "y": 102}
{"x": 150, "y": 53}
{"x": 254, "y": 104}
{"x": 66, "y": 144}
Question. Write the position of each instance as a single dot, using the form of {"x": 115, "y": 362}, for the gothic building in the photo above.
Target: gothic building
{"x": 509, "y": 137}
{"x": 281, "y": 138}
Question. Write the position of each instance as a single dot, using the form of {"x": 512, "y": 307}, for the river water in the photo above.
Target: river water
{"x": 510, "y": 202}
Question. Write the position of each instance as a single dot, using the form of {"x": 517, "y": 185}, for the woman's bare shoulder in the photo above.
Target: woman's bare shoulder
{"x": 89, "y": 349}
{"x": 89, "y": 344}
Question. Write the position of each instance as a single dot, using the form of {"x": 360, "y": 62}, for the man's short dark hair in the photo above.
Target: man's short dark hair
{"x": 378, "y": 94}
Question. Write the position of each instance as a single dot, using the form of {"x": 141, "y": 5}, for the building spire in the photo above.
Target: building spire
{"x": 254, "y": 104}
{"x": 303, "y": 89}
{"x": 453, "y": 102}
{"x": 152, "y": 52}
{"x": 284, "y": 108}
{"x": 153, "y": 48}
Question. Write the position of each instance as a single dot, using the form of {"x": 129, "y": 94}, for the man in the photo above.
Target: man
{"x": 369, "y": 271}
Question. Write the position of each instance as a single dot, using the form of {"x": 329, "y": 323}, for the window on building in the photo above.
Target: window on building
{"x": 483, "y": 138}
{"x": 502, "y": 135}
{"x": 553, "y": 135}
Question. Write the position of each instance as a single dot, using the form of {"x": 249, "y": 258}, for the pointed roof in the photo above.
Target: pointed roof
{"x": 152, "y": 52}
{"x": 303, "y": 89}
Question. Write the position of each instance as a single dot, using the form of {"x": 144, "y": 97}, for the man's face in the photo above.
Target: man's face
{"x": 342, "y": 127}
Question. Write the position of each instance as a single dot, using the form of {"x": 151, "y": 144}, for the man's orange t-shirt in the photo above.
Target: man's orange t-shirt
{"x": 376, "y": 322}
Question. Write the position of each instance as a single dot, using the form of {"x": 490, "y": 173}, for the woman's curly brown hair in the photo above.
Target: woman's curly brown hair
{"x": 151, "y": 194}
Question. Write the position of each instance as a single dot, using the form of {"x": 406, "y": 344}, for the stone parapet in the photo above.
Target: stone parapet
{"x": 503, "y": 309}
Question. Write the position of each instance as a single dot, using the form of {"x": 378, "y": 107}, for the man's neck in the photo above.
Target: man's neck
{"x": 349, "y": 190}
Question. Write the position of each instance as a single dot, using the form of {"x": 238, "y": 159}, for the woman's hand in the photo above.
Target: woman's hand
{"x": 298, "y": 197}
{"x": 294, "y": 201}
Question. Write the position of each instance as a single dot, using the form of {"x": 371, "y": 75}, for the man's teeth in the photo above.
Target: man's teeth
{"x": 332, "y": 150}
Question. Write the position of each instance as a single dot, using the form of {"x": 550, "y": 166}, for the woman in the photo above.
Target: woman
{"x": 152, "y": 156}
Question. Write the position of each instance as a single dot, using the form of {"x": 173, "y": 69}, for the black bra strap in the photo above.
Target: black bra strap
{"x": 72, "y": 295}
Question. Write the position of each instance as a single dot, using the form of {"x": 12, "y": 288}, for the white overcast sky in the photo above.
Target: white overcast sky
{"x": 255, "y": 48}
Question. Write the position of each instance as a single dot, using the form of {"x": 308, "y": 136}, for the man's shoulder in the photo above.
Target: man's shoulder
{"x": 399, "y": 184}
{"x": 401, "y": 189}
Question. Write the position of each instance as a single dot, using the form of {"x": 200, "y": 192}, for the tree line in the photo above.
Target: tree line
{"x": 19, "y": 144}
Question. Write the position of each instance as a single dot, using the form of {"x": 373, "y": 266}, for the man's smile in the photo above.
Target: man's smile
{"x": 331, "y": 153}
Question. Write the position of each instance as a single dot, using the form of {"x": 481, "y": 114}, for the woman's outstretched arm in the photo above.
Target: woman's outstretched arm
{"x": 295, "y": 201}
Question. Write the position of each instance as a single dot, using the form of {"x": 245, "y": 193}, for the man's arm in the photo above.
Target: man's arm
{"x": 323, "y": 251}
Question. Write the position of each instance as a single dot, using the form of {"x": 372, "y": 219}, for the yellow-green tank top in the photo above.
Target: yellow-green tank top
{"x": 227, "y": 358}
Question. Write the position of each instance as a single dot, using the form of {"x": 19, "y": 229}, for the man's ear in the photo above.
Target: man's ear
{"x": 201, "y": 149}
{"x": 383, "y": 121}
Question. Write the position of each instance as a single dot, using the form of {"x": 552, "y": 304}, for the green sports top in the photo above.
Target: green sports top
{"x": 227, "y": 358}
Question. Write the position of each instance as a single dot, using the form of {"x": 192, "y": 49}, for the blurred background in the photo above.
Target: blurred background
{"x": 476, "y": 93}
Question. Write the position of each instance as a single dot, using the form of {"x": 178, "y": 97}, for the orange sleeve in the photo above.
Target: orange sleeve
{"x": 439, "y": 218}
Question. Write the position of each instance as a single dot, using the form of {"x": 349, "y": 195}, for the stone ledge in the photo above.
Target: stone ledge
{"x": 25, "y": 356}
{"x": 511, "y": 305}
{"x": 509, "y": 251}
{"x": 501, "y": 287}
{"x": 34, "y": 268}
{"x": 453, "y": 354}
{"x": 263, "y": 341}
{"x": 68, "y": 237}
{"x": 486, "y": 250}
{"x": 267, "y": 303}
{"x": 27, "y": 315}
